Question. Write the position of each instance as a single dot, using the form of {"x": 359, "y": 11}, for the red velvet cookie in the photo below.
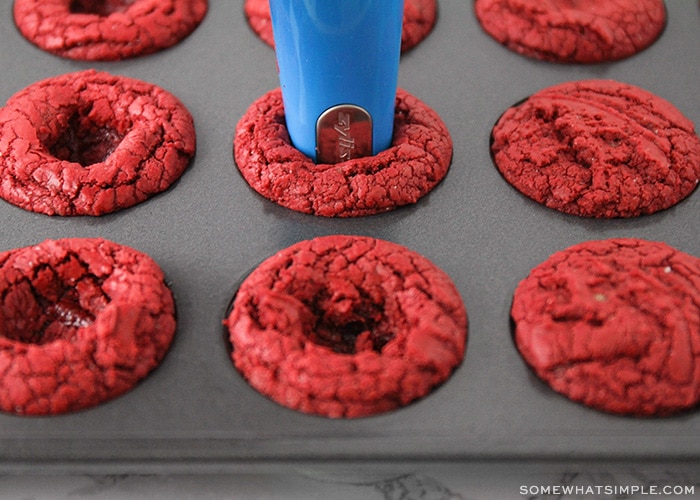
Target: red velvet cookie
{"x": 105, "y": 30}
{"x": 416, "y": 162}
{"x": 615, "y": 325}
{"x": 347, "y": 326}
{"x": 598, "y": 148}
{"x": 90, "y": 143}
{"x": 575, "y": 31}
{"x": 419, "y": 19}
{"x": 82, "y": 321}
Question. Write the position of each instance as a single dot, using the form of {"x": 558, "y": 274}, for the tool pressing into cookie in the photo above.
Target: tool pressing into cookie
{"x": 338, "y": 66}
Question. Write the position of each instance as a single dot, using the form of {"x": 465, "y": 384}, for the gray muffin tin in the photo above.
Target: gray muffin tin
{"x": 210, "y": 229}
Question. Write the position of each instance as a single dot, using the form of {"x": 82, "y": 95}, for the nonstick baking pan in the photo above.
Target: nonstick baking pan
{"x": 210, "y": 229}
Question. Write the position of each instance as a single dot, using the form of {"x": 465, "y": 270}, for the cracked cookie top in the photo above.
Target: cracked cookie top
{"x": 106, "y": 30}
{"x": 90, "y": 143}
{"x": 417, "y": 161}
{"x": 573, "y": 31}
{"x": 598, "y": 148}
{"x": 615, "y": 325}
{"x": 347, "y": 326}
{"x": 82, "y": 321}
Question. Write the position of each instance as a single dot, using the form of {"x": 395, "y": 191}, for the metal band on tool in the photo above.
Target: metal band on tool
{"x": 343, "y": 132}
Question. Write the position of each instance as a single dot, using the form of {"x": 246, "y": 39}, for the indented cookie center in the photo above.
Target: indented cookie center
{"x": 85, "y": 142}
{"x": 45, "y": 309}
{"x": 99, "y": 7}
{"x": 358, "y": 329}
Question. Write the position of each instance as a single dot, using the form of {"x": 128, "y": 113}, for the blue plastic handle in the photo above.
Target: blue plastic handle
{"x": 332, "y": 52}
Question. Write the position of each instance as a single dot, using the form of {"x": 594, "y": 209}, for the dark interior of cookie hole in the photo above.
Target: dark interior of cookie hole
{"x": 45, "y": 309}
{"x": 99, "y": 7}
{"x": 361, "y": 330}
{"x": 85, "y": 142}
{"x": 364, "y": 327}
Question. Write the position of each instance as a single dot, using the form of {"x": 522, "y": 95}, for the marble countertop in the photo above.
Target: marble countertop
{"x": 442, "y": 481}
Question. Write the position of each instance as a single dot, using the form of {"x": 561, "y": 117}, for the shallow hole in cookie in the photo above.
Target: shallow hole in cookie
{"x": 99, "y": 7}
{"x": 360, "y": 331}
{"x": 84, "y": 142}
{"x": 47, "y": 309}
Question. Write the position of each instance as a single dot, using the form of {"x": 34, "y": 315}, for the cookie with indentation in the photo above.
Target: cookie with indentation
{"x": 347, "y": 326}
{"x": 107, "y": 30}
{"x": 91, "y": 143}
{"x": 417, "y": 160}
{"x": 598, "y": 148}
{"x": 567, "y": 31}
{"x": 82, "y": 321}
{"x": 614, "y": 325}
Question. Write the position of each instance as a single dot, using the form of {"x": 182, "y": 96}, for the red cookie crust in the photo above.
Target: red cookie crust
{"x": 89, "y": 143}
{"x": 419, "y": 18}
{"x": 598, "y": 148}
{"x": 106, "y": 30}
{"x": 416, "y": 162}
{"x": 347, "y": 326}
{"x": 83, "y": 321}
{"x": 576, "y": 31}
{"x": 615, "y": 325}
